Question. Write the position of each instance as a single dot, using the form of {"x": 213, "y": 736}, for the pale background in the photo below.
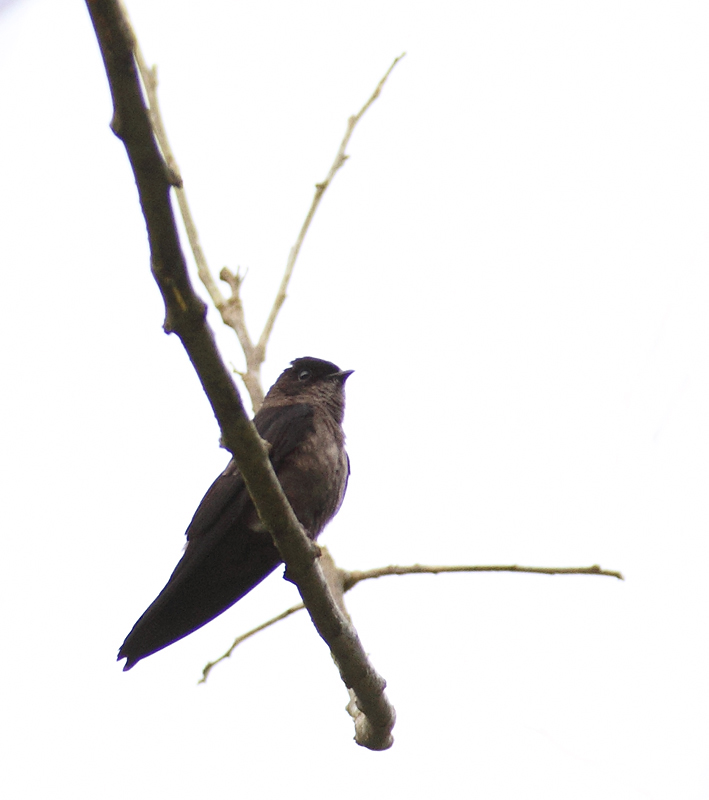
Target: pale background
{"x": 514, "y": 261}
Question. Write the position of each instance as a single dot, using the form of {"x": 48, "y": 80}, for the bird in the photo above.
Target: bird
{"x": 228, "y": 550}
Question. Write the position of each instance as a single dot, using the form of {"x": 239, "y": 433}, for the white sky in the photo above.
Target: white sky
{"x": 514, "y": 261}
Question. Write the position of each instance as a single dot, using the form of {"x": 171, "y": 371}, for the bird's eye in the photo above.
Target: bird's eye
{"x": 303, "y": 375}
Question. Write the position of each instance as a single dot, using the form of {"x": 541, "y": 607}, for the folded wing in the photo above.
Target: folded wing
{"x": 228, "y": 552}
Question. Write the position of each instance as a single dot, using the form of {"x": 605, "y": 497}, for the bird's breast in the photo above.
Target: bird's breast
{"x": 314, "y": 478}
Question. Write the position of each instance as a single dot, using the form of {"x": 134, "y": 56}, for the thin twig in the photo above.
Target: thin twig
{"x": 353, "y": 578}
{"x": 349, "y": 579}
{"x": 320, "y": 189}
{"x": 231, "y": 309}
{"x": 149, "y": 77}
{"x": 239, "y": 639}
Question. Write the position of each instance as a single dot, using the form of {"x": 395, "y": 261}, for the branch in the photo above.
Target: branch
{"x": 244, "y": 636}
{"x": 351, "y": 579}
{"x": 345, "y": 580}
{"x": 149, "y": 77}
{"x": 231, "y": 309}
{"x": 320, "y": 189}
{"x": 185, "y": 315}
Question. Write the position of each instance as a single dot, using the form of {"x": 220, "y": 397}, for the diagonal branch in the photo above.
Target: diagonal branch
{"x": 244, "y": 636}
{"x": 320, "y": 189}
{"x": 345, "y": 580}
{"x": 185, "y": 315}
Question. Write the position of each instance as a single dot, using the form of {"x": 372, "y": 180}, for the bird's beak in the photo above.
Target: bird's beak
{"x": 342, "y": 375}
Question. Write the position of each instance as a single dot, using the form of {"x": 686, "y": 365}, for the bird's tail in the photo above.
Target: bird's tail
{"x": 198, "y": 591}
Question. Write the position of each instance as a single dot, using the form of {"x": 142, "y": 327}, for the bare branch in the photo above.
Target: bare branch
{"x": 244, "y": 636}
{"x": 320, "y": 189}
{"x": 231, "y": 309}
{"x": 149, "y": 77}
{"x": 353, "y": 578}
{"x": 335, "y": 581}
{"x": 341, "y": 581}
{"x": 232, "y": 312}
{"x": 186, "y": 316}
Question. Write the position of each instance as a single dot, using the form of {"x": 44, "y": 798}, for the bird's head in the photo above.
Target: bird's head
{"x": 311, "y": 380}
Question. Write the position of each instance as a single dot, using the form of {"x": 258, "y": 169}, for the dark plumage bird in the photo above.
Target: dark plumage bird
{"x": 228, "y": 550}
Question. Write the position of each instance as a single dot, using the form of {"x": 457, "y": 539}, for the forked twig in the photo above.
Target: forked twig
{"x": 349, "y": 579}
{"x": 231, "y": 308}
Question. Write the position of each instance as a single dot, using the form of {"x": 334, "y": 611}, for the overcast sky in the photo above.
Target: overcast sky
{"x": 513, "y": 261}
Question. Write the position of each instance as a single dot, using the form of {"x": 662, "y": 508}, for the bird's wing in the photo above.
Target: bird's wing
{"x": 284, "y": 428}
{"x": 226, "y": 554}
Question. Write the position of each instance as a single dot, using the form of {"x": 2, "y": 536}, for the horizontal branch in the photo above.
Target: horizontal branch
{"x": 353, "y": 578}
{"x": 349, "y": 579}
